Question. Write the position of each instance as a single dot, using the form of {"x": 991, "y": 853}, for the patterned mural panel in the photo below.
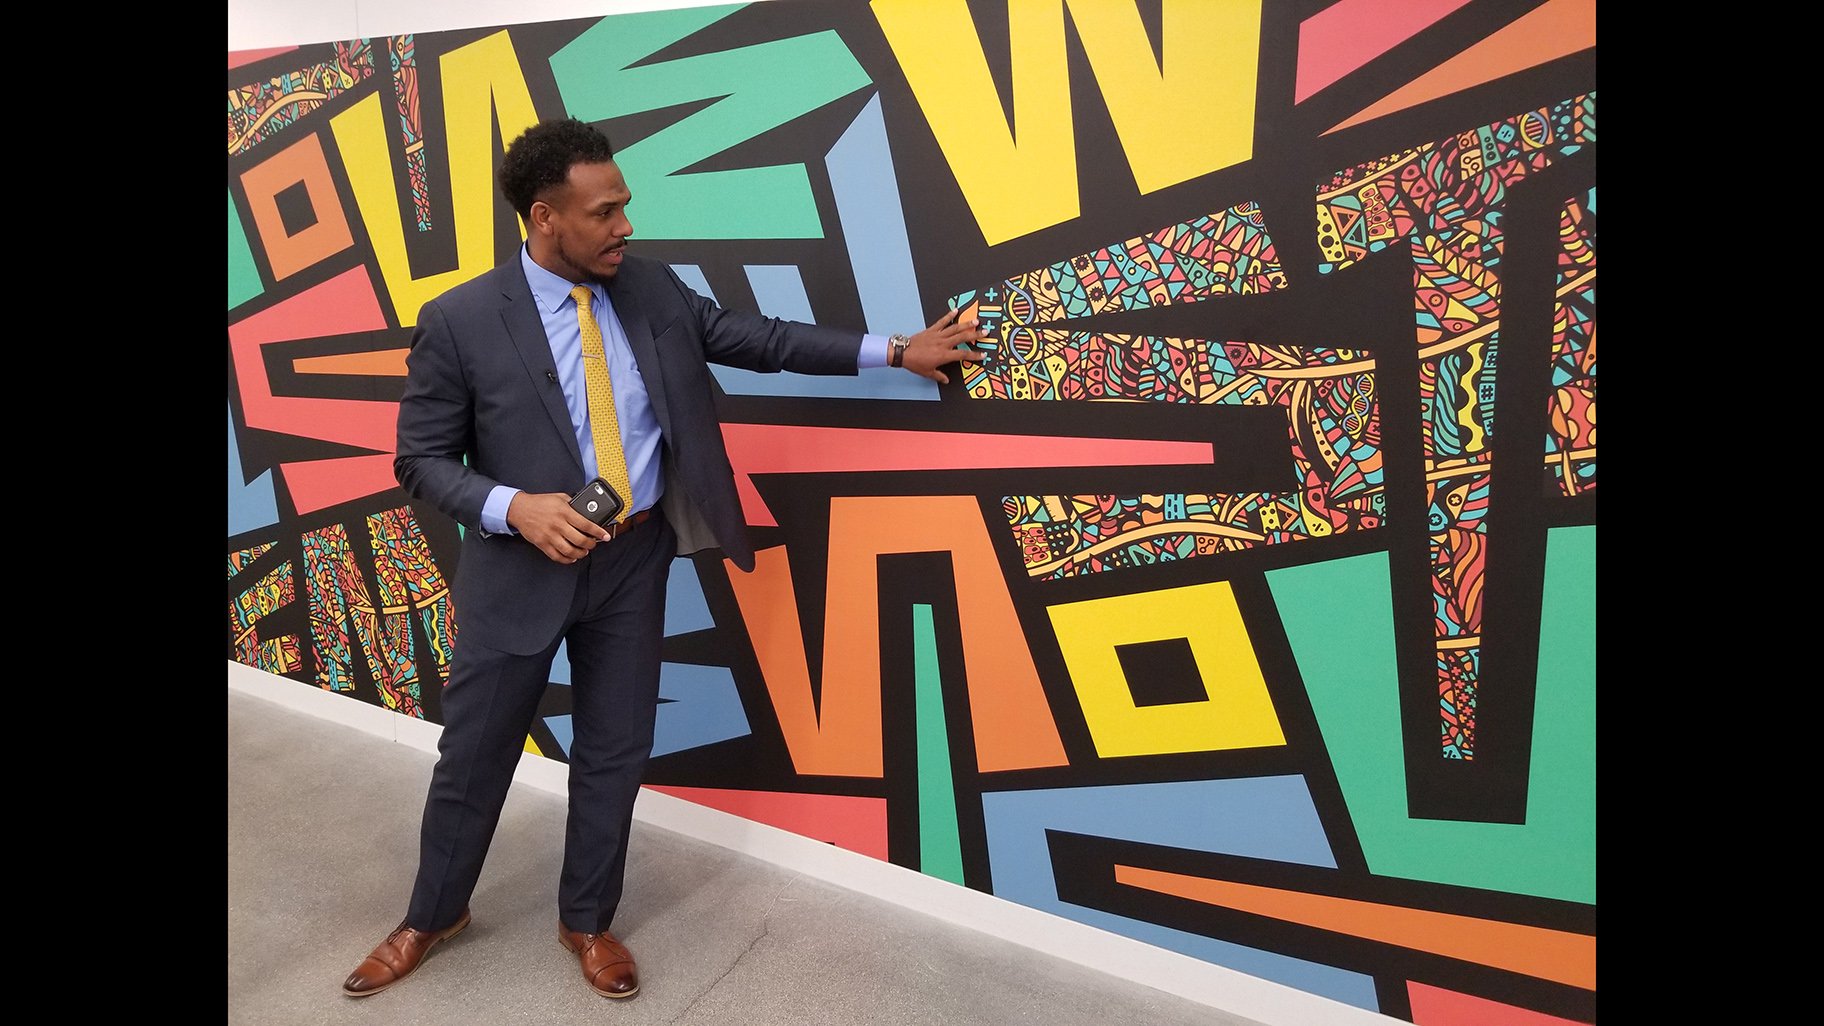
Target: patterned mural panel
{"x": 1333, "y": 425}
{"x": 1445, "y": 200}
{"x": 257, "y": 111}
{"x": 1197, "y": 612}
{"x": 1570, "y": 445}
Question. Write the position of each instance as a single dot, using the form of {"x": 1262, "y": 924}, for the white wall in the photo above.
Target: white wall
{"x": 258, "y": 24}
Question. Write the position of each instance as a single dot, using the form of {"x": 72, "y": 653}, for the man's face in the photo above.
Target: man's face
{"x": 584, "y": 222}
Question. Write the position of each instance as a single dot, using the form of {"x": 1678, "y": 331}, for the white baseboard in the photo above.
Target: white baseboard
{"x": 1226, "y": 990}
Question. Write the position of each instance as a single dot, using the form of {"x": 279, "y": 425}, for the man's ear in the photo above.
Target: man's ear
{"x": 539, "y": 218}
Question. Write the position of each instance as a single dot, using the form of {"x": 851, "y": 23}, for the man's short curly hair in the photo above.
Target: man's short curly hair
{"x": 541, "y": 158}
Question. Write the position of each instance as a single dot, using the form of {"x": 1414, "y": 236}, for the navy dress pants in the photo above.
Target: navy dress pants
{"x": 615, "y": 629}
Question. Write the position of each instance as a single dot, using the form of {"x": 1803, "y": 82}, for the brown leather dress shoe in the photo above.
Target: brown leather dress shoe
{"x": 396, "y": 957}
{"x": 607, "y": 964}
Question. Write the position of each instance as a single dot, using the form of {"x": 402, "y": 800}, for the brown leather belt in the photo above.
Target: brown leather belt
{"x": 616, "y": 530}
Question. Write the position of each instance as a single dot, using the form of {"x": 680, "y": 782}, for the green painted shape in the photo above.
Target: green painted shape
{"x": 1338, "y": 617}
{"x": 243, "y": 275}
{"x": 940, "y": 850}
{"x": 761, "y": 87}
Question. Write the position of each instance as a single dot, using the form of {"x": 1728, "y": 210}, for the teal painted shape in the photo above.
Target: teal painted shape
{"x": 243, "y": 275}
{"x": 940, "y": 849}
{"x": 1338, "y": 616}
{"x": 251, "y": 505}
{"x": 760, "y": 88}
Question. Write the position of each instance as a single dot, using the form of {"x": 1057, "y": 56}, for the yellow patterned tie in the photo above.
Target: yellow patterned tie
{"x": 610, "y": 458}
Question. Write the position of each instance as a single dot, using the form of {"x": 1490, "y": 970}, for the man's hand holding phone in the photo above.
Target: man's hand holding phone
{"x": 558, "y": 524}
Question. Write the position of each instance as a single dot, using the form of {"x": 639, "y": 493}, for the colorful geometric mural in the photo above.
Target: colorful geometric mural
{"x": 260, "y": 110}
{"x": 1333, "y": 421}
{"x": 1445, "y": 200}
{"x": 1570, "y": 445}
{"x": 274, "y": 655}
{"x": 1196, "y": 613}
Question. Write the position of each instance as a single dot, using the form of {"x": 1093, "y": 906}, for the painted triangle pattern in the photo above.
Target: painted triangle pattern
{"x": 238, "y": 561}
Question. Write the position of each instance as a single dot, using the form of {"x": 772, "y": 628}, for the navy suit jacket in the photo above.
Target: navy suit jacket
{"x": 481, "y": 384}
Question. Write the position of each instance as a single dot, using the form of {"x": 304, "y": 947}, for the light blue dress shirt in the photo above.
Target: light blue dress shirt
{"x": 640, "y": 435}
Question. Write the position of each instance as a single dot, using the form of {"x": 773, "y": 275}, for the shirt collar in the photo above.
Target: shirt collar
{"x": 550, "y": 290}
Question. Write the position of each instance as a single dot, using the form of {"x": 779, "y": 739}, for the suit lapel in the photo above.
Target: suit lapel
{"x": 632, "y": 314}
{"x": 519, "y": 311}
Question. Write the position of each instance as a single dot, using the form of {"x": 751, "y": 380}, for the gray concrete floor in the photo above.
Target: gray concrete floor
{"x": 322, "y": 845}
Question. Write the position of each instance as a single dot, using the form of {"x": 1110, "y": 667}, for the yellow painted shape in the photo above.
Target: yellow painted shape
{"x": 1187, "y": 116}
{"x": 1236, "y": 711}
{"x": 1191, "y": 114}
{"x": 482, "y": 84}
{"x": 1014, "y": 186}
{"x": 532, "y": 746}
{"x": 1468, "y": 418}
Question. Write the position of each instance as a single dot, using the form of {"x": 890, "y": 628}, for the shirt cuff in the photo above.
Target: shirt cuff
{"x": 873, "y": 352}
{"x": 494, "y": 511}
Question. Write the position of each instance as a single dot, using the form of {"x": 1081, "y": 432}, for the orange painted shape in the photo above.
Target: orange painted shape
{"x": 1554, "y": 955}
{"x": 300, "y": 163}
{"x": 387, "y": 363}
{"x": 858, "y": 824}
{"x": 1435, "y": 1006}
{"x": 1012, "y": 721}
{"x": 1552, "y": 30}
{"x": 795, "y": 449}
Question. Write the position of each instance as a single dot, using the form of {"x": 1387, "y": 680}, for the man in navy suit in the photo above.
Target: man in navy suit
{"x": 496, "y": 430}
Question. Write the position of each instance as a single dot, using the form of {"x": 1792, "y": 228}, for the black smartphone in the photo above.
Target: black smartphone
{"x": 598, "y": 501}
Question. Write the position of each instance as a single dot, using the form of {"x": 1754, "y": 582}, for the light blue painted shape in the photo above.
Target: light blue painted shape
{"x": 243, "y": 274}
{"x": 1261, "y": 817}
{"x": 560, "y": 666}
{"x": 882, "y": 383}
{"x": 874, "y": 226}
{"x": 692, "y": 275}
{"x": 698, "y": 705}
{"x": 686, "y": 609}
{"x": 251, "y": 505}
{"x": 880, "y": 258}
{"x": 561, "y": 730}
{"x": 779, "y": 291}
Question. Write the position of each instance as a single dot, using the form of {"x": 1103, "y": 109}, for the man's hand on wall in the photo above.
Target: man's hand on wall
{"x": 941, "y": 344}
